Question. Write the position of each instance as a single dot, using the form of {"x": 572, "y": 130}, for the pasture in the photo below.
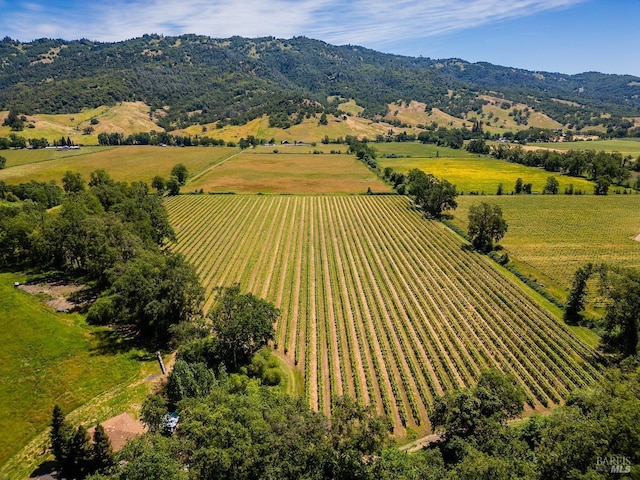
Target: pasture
{"x": 124, "y": 117}
{"x": 378, "y": 303}
{"x": 625, "y": 146}
{"x": 49, "y": 358}
{"x": 123, "y": 163}
{"x": 556, "y": 234}
{"x": 288, "y": 172}
{"x": 482, "y": 175}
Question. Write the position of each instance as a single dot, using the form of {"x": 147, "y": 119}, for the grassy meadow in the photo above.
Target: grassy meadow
{"x": 482, "y": 175}
{"x": 123, "y": 163}
{"x": 49, "y": 358}
{"x": 626, "y": 146}
{"x": 557, "y": 234}
{"x": 288, "y": 172}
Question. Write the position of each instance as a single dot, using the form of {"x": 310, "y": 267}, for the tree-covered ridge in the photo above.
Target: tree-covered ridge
{"x": 198, "y": 79}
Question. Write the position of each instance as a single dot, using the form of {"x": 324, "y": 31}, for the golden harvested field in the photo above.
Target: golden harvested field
{"x": 125, "y": 117}
{"x": 378, "y": 303}
{"x": 288, "y": 172}
{"x": 483, "y": 174}
{"x": 124, "y": 163}
{"x": 556, "y": 234}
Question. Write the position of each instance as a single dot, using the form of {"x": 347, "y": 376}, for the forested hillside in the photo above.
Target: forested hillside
{"x": 197, "y": 79}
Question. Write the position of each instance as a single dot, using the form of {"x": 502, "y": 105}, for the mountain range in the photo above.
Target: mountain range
{"x": 193, "y": 79}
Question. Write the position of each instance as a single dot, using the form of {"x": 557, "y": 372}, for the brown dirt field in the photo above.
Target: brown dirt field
{"x": 58, "y": 293}
{"x": 120, "y": 429}
{"x": 289, "y": 173}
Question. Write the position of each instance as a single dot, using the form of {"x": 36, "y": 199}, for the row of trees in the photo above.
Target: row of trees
{"x": 575, "y": 163}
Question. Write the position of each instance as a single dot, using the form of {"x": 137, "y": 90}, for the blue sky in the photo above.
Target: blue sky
{"x": 568, "y": 36}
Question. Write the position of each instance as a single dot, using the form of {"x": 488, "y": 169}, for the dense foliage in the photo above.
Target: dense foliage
{"x": 240, "y": 429}
{"x": 432, "y": 195}
{"x": 110, "y": 234}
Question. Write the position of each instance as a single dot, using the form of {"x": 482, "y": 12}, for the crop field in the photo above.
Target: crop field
{"x": 626, "y": 146}
{"x": 377, "y": 302}
{"x": 482, "y": 175}
{"x": 558, "y": 234}
{"x": 420, "y": 150}
{"x": 48, "y": 358}
{"x": 19, "y": 157}
{"x": 128, "y": 163}
{"x": 288, "y": 172}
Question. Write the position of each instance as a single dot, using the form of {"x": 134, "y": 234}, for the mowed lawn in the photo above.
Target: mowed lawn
{"x": 482, "y": 175}
{"x": 48, "y": 358}
{"x": 287, "y": 172}
{"x": 123, "y": 163}
{"x": 556, "y": 234}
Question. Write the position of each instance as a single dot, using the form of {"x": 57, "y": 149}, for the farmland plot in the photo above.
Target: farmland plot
{"x": 557, "y": 234}
{"x": 376, "y": 302}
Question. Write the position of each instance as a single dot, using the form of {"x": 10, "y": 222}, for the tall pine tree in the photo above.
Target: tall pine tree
{"x": 60, "y": 435}
{"x": 102, "y": 450}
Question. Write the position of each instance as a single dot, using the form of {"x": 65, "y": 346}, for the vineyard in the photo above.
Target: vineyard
{"x": 376, "y": 302}
{"x": 558, "y": 234}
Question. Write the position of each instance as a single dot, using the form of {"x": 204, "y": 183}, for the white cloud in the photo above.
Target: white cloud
{"x": 365, "y": 22}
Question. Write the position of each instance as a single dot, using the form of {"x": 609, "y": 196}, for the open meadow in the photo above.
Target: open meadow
{"x": 49, "y": 358}
{"x": 123, "y": 163}
{"x": 556, "y": 234}
{"x": 288, "y": 172}
{"x": 625, "y": 146}
{"x": 377, "y": 302}
{"x": 482, "y": 175}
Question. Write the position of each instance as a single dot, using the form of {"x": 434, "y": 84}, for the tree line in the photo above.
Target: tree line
{"x": 111, "y": 236}
{"x": 601, "y": 167}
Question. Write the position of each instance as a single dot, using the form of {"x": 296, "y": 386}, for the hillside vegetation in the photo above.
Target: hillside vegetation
{"x": 194, "y": 79}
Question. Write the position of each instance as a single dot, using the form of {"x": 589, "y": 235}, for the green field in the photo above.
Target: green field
{"x": 16, "y": 158}
{"x": 288, "y": 171}
{"x": 627, "y": 146}
{"x": 49, "y": 358}
{"x": 376, "y": 302}
{"x": 482, "y": 175}
{"x": 420, "y": 150}
{"x": 558, "y": 234}
{"x": 123, "y": 163}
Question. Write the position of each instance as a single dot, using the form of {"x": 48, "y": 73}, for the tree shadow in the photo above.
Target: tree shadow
{"x": 120, "y": 339}
{"x": 45, "y": 470}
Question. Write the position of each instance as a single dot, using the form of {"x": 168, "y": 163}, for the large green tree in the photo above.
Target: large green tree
{"x": 622, "y": 317}
{"x": 180, "y": 172}
{"x": 496, "y": 398}
{"x": 486, "y": 225}
{"x": 432, "y": 195}
{"x": 242, "y": 323}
